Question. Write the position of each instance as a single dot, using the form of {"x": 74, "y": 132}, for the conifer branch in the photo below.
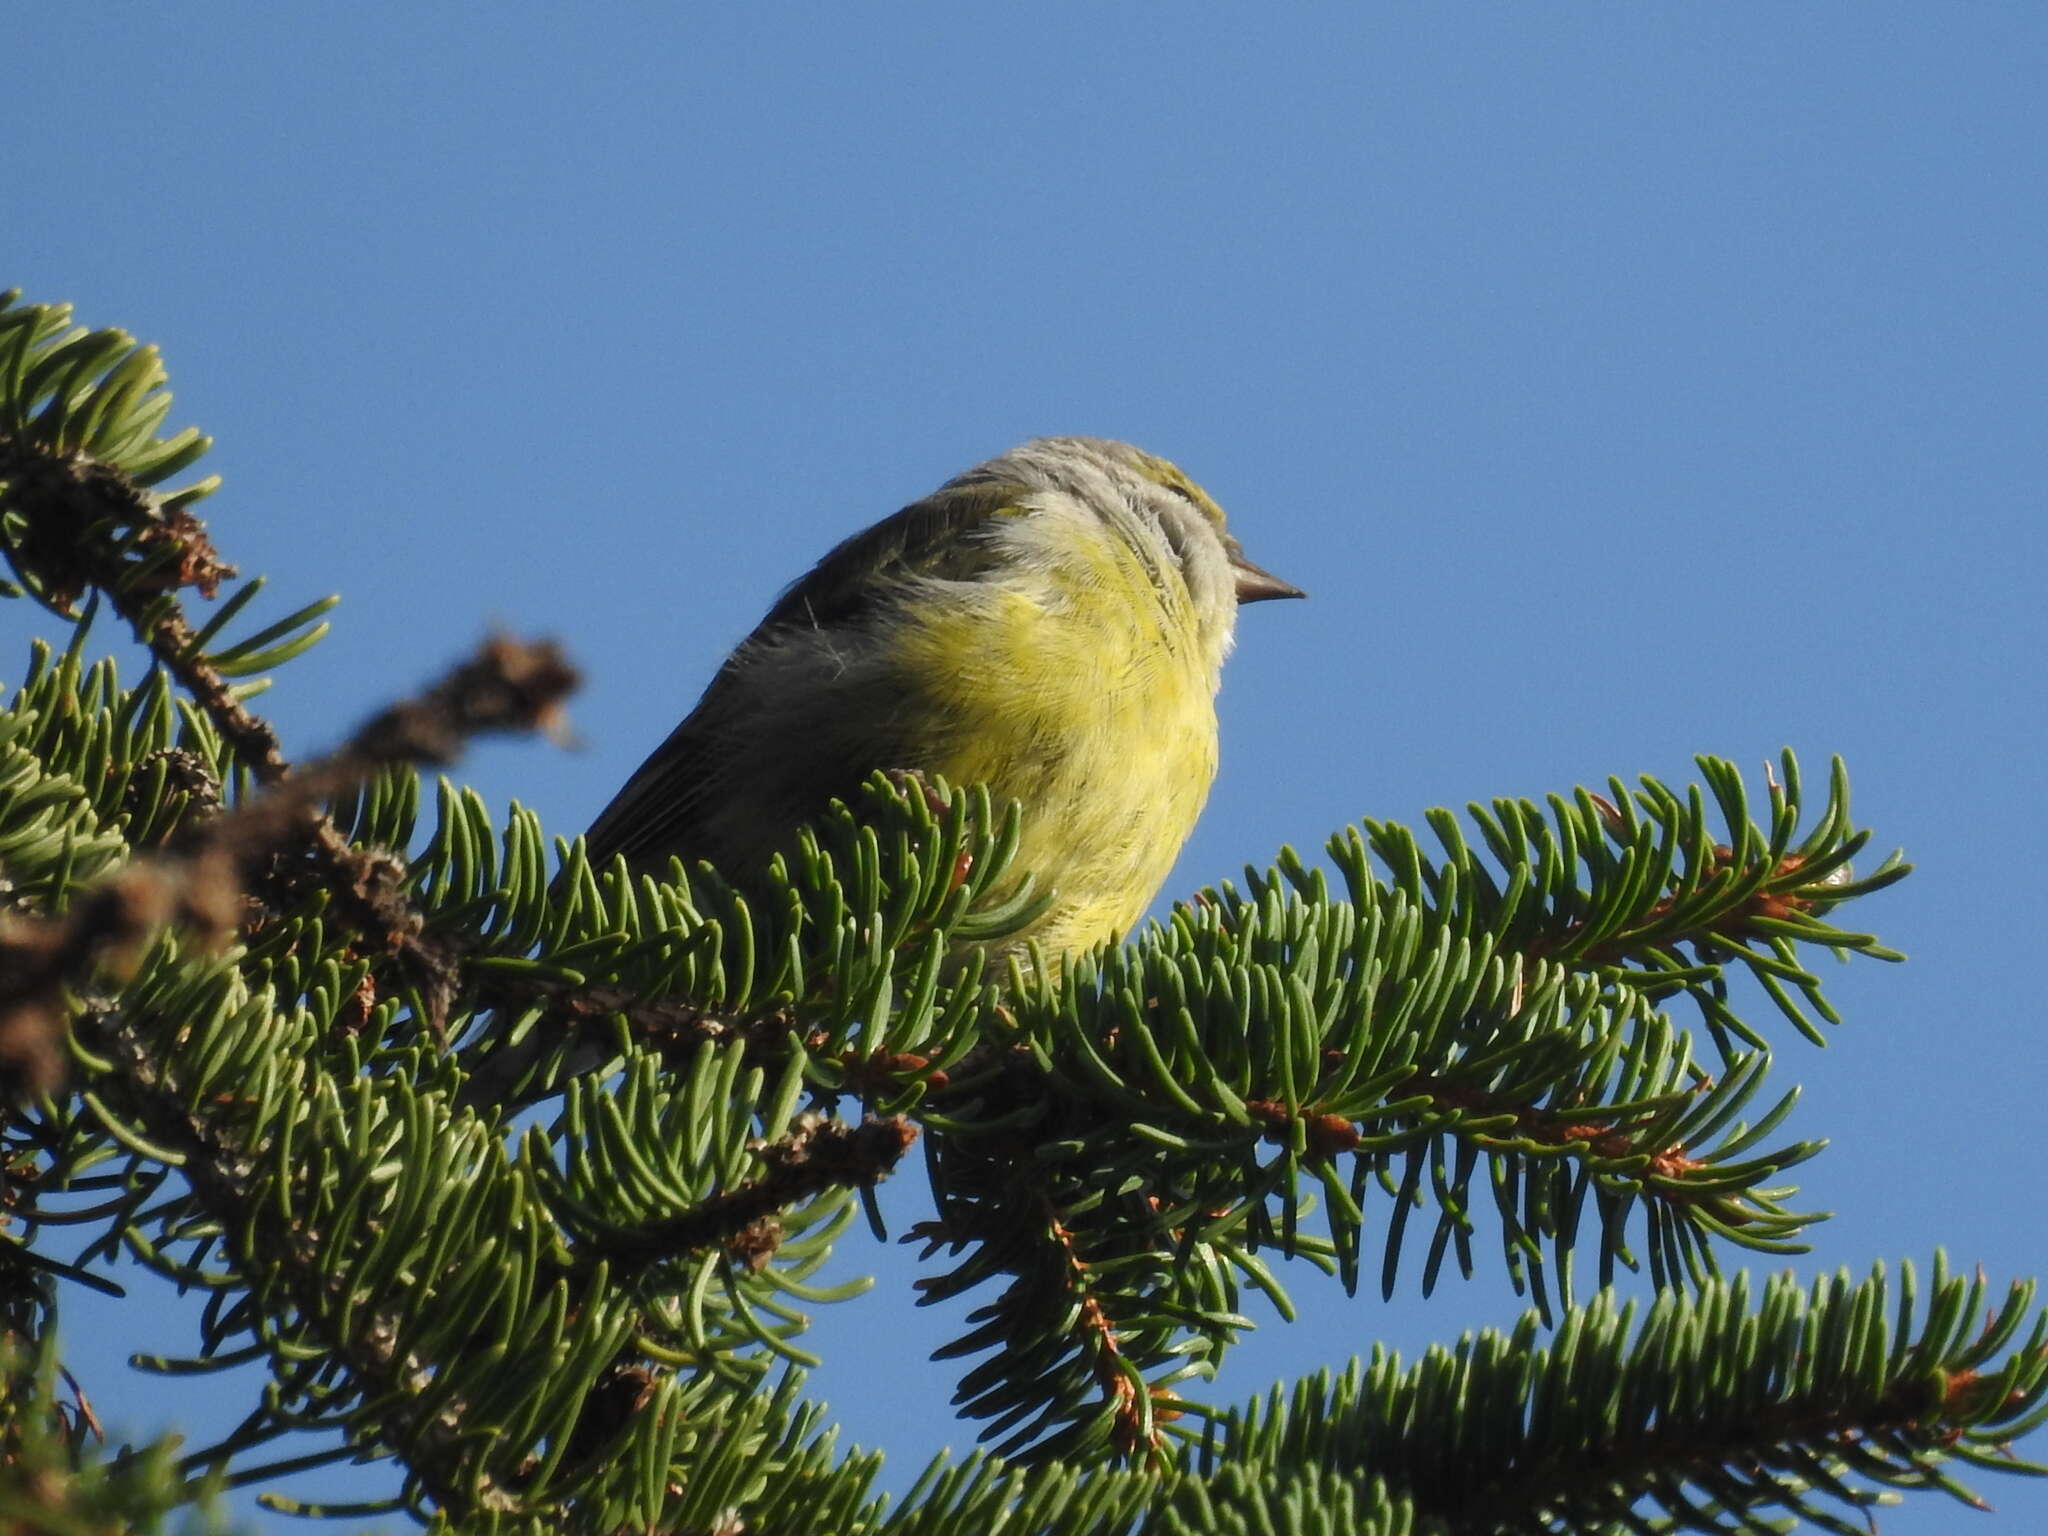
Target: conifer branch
{"x": 846, "y": 954}
{"x": 1699, "y": 1409}
{"x": 506, "y": 685}
{"x": 817, "y": 1155}
{"x": 85, "y": 524}
{"x": 229, "y": 1183}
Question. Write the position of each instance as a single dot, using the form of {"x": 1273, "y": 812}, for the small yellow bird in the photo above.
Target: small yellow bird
{"x": 1052, "y": 624}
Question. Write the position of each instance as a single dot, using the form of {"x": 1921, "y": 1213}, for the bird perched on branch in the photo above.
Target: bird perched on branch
{"x": 1051, "y": 623}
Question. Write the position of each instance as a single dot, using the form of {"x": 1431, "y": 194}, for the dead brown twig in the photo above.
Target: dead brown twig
{"x": 199, "y": 885}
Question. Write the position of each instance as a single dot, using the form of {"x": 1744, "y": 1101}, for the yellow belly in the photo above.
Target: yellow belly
{"x": 1094, "y": 708}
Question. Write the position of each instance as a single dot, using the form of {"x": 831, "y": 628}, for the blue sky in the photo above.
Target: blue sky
{"x": 1623, "y": 383}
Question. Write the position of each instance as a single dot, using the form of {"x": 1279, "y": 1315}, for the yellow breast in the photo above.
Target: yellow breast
{"x": 1082, "y": 690}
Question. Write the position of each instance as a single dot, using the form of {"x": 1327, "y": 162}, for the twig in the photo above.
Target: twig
{"x": 818, "y": 1154}
{"x": 199, "y": 885}
{"x": 69, "y": 502}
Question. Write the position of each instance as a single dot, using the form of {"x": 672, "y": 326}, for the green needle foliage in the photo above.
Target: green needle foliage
{"x": 520, "y": 1173}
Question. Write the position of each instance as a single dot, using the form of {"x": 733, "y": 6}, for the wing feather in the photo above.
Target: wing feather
{"x": 714, "y": 789}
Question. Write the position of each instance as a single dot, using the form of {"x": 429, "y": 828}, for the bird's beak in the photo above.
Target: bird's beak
{"x": 1257, "y": 586}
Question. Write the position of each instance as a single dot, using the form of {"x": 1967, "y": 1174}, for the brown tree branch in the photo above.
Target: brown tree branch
{"x": 199, "y": 884}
